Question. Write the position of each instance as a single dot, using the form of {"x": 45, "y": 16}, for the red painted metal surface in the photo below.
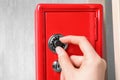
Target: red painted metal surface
{"x": 66, "y": 19}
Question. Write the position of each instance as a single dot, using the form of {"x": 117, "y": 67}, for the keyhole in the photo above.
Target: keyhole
{"x": 56, "y": 66}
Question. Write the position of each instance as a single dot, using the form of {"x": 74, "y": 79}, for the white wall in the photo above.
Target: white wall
{"x": 17, "y": 56}
{"x": 116, "y": 29}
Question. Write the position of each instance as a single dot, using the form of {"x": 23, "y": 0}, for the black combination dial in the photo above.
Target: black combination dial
{"x": 54, "y": 41}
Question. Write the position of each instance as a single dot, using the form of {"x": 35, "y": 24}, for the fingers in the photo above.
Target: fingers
{"x": 83, "y": 43}
{"x": 62, "y": 76}
{"x": 64, "y": 61}
{"x": 71, "y": 39}
{"x": 76, "y": 60}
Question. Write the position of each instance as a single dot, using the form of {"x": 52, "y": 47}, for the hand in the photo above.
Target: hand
{"x": 90, "y": 66}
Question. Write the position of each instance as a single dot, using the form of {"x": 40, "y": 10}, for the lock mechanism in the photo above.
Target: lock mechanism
{"x": 56, "y": 66}
{"x": 54, "y": 41}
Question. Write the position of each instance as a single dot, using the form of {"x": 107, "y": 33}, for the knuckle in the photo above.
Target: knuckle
{"x": 83, "y": 38}
{"x": 70, "y": 36}
{"x": 101, "y": 62}
{"x": 104, "y": 63}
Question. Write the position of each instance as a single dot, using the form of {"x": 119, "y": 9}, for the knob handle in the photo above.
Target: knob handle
{"x": 56, "y": 66}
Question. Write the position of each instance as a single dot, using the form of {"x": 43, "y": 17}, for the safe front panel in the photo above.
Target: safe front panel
{"x": 65, "y": 19}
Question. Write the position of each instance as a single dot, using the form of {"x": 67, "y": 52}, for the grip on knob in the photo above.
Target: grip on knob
{"x": 54, "y": 41}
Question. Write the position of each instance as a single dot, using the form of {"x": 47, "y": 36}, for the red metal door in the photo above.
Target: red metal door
{"x": 65, "y": 19}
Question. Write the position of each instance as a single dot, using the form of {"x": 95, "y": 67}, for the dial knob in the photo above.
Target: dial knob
{"x": 54, "y": 41}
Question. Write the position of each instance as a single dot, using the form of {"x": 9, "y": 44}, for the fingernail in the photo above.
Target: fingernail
{"x": 59, "y": 50}
{"x": 61, "y": 38}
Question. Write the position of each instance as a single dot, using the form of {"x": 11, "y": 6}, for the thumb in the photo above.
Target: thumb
{"x": 62, "y": 77}
{"x": 64, "y": 61}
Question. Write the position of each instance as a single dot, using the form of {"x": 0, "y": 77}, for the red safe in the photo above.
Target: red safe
{"x": 53, "y": 21}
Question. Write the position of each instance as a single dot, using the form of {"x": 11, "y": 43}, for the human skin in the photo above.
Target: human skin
{"x": 90, "y": 66}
